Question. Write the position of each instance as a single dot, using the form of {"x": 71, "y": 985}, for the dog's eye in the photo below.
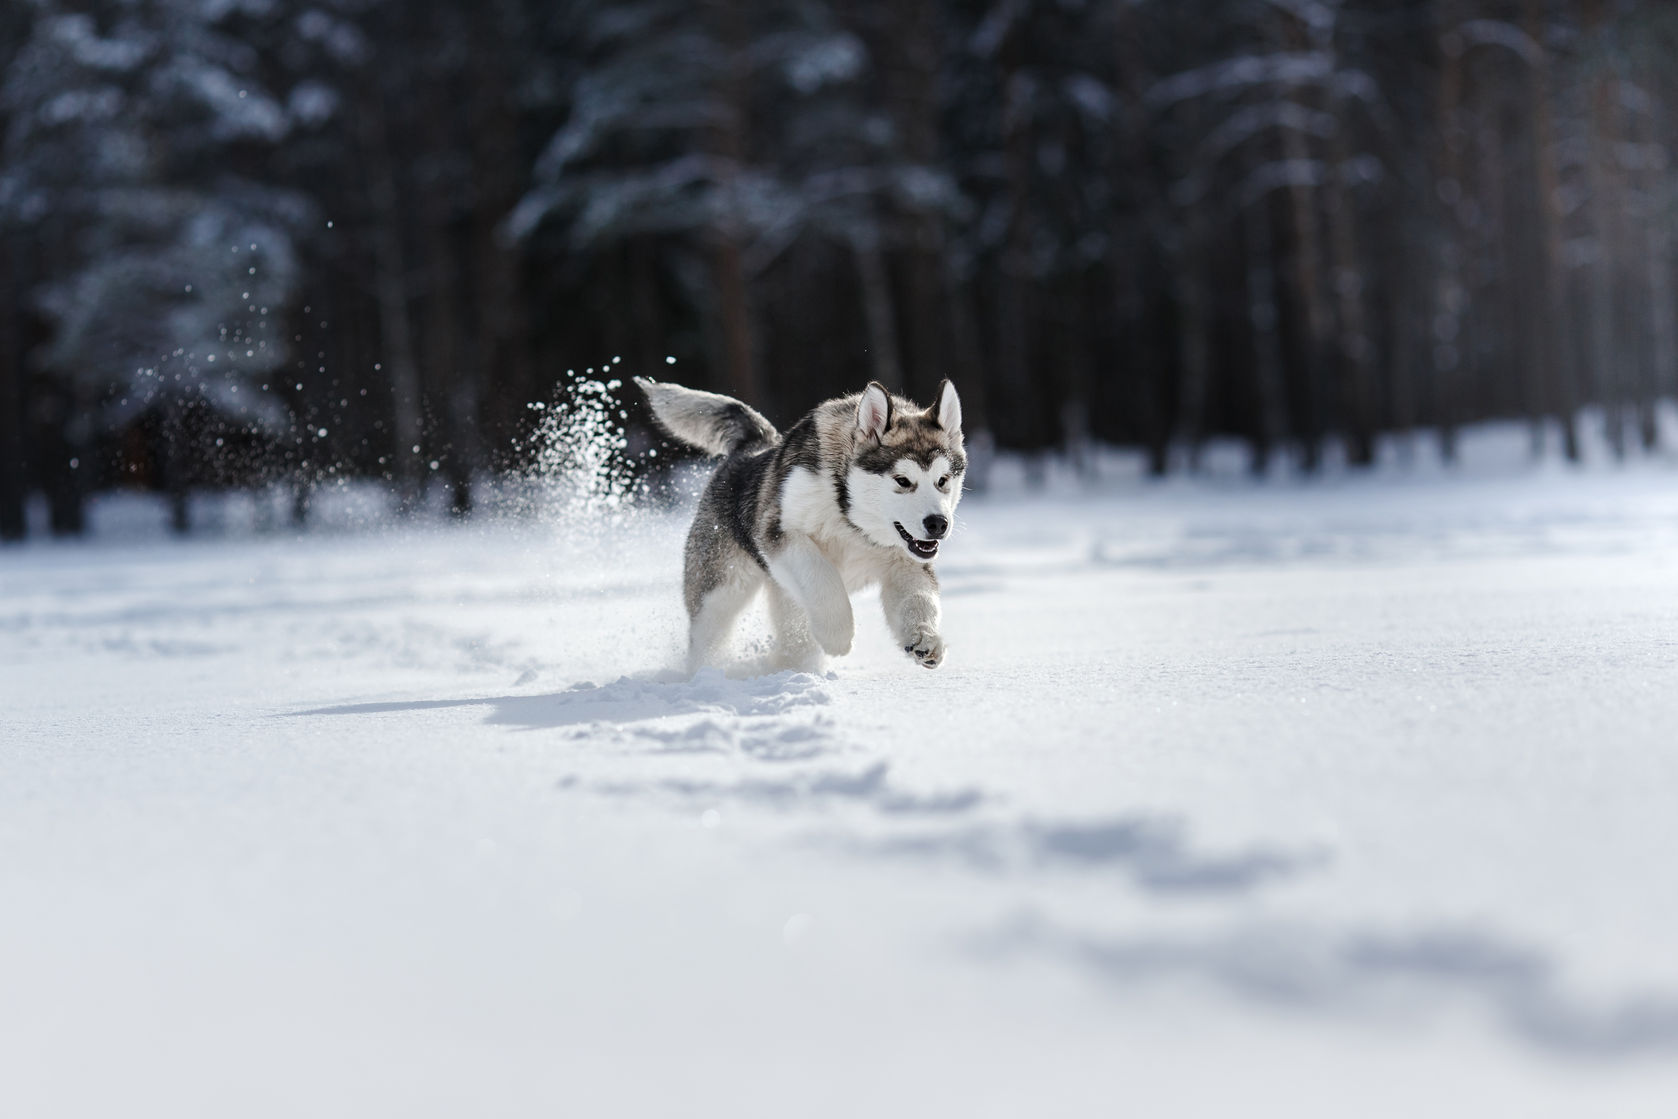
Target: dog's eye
{"x": 944, "y": 482}
{"x": 902, "y": 481}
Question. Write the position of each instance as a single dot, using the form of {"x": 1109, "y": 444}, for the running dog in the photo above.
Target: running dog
{"x": 860, "y": 491}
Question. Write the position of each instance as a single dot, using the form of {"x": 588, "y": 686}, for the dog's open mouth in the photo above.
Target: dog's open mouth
{"x": 923, "y": 549}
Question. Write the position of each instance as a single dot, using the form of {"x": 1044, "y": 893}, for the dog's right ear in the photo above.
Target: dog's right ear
{"x": 873, "y": 411}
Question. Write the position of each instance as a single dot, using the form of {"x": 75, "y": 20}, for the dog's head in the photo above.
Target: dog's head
{"x": 905, "y": 475}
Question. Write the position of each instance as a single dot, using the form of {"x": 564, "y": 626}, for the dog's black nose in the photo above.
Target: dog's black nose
{"x": 937, "y": 527}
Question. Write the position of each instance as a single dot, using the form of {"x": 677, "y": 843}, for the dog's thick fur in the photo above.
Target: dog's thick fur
{"x": 860, "y": 491}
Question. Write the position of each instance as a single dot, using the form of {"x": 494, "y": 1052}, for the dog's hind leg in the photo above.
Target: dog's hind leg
{"x": 795, "y": 645}
{"x": 717, "y": 610}
{"x": 801, "y": 570}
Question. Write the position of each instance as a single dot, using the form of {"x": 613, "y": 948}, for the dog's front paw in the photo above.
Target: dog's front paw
{"x": 927, "y": 648}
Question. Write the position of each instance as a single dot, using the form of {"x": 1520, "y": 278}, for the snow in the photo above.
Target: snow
{"x": 1493, "y": 32}
{"x": 79, "y": 34}
{"x": 1301, "y": 798}
{"x": 1240, "y": 73}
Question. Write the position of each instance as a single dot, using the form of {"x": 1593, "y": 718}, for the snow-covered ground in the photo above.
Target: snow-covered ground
{"x": 1354, "y": 797}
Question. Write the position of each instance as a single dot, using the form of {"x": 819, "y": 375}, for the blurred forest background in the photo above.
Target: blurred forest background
{"x": 281, "y": 243}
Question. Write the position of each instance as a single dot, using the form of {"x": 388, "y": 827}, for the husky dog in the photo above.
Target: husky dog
{"x": 860, "y": 491}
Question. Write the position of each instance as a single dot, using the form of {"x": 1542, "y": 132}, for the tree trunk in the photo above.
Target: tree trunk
{"x": 1014, "y": 286}
{"x": 1270, "y": 416}
{"x": 1450, "y": 296}
{"x": 1553, "y": 366}
{"x": 741, "y": 374}
{"x": 502, "y": 373}
{"x": 1663, "y": 357}
{"x": 1492, "y": 297}
{"x": 1356, "y": 351}
{"x": 13, "y": 456}
{"x": 1132, "y": 233}
{"x": 969, "y": 370}
{"x": 1071, "y": 326}
{"x": 180, "y": 512}
{"x": 649, "y": 350}
{"x": 171, "y": 454}
{"x": 451, "y": 367}
{"x": 1662, "y": 353}
{"x": 452, "y": 370}
{"x": 1603, "y": 209}
{"x": 1408, "y": 333}
{"x": 1308, "y": 289}
{"x": 913, "y": 56}
{"x": 302, "y": 497}
{"x": 877, "y": 310}
{"x": 66, "y": 458}
{"x": 391, "y": 288}
{"x": 1191, "y": 286}
{"x": 1605, "y": 200}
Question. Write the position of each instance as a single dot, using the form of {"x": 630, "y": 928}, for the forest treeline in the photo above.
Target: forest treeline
{"x": 282, "y": 242}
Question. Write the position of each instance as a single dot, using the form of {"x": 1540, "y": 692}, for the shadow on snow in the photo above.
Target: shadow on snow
{"x": 1309, "y": 967}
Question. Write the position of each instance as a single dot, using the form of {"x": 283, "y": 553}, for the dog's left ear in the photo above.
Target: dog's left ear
{"x": 948, "y": 409}
{"x": 873, "y": 411}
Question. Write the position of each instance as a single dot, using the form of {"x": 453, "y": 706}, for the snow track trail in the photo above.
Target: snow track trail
{"x": 1345, "y": 799}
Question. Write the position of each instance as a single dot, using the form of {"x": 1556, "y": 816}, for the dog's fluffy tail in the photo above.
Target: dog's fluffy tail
{"x": 717, "y": 425}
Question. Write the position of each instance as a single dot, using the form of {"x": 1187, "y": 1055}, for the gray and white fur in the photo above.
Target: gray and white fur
{"x": 859, "y": 492}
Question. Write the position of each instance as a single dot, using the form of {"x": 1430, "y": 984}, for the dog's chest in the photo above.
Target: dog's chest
{"x": 810, "y": 506}
{"x": 808, "y": 503}
{"x": 858, "y": 563}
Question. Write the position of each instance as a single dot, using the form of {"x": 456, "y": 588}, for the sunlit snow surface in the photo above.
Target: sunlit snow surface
{"x": 1357, "y": 797}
